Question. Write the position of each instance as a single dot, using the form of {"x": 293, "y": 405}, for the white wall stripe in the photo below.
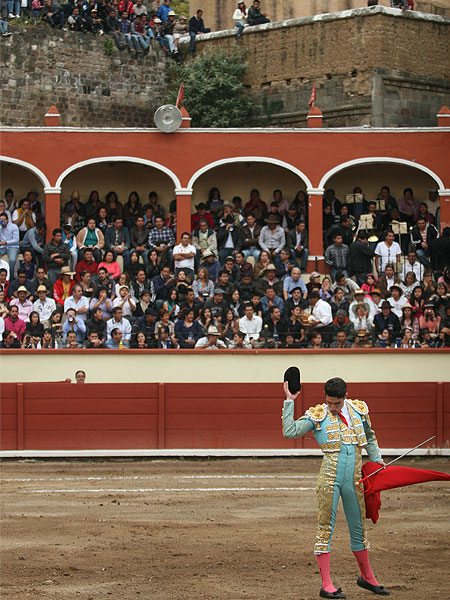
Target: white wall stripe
{"x": 142, "y": 490}
{"x": 139, "y": 477}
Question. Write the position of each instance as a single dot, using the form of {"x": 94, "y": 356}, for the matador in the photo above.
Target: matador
{"x": 342, "y": 428}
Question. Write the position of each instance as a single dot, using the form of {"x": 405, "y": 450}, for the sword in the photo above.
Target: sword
{"x": 396, "y": 459}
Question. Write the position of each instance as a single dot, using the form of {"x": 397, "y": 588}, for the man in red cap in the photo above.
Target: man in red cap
{"x": 342, "y": 428}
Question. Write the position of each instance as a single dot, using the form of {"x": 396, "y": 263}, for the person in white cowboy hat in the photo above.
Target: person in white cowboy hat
{"x": 211, "y": 340}
{"x": 44, "y": 305}
{"x": 167, "y": 30}
{"x": 360, "y": 297}
{"x": 272, "y": 238}
{"x": 24, "y": 305}
{"x": 75, "y": 198}
{"x": 359, "y": 316}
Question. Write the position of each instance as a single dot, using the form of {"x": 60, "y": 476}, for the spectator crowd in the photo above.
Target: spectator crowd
{"x": 113, "y": 276}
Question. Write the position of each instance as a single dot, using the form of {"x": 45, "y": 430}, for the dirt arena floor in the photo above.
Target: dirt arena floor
{"x": 216, "y": 530}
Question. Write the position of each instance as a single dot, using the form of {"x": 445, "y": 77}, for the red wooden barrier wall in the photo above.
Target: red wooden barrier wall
{"x": 59, "y": 416}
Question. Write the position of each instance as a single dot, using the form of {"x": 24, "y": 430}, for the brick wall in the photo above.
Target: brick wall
{"x": 41, "y": 67}
{"x": 371, "y": 66}
{"x": 218, "y": 13}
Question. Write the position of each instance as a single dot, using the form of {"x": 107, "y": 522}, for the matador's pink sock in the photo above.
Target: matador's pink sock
{"x": 324, "y": 566}
{"x": 362, "y": 556}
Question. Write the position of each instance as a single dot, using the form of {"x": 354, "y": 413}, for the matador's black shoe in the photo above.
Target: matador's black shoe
{"x": 337, "y": 594}
{"x": 376, "y": 589}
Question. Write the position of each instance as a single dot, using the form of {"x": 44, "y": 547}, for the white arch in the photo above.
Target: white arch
{"x": 21, "y": 163}
{"x": 244, "y": 159}
{"x": 380, "y": 159}
{"x": 132, "y": 159}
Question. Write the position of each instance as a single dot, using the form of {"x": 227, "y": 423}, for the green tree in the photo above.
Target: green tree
{"x": 181, "y": 7}
{"x": 214, "y": 94}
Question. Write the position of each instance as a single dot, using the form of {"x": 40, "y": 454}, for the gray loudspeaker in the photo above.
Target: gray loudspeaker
{"x": 168, "y": 118}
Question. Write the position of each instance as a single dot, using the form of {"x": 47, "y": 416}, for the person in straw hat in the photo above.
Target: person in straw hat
{"x": 75, "y": 199}
{"x": 63, "y": 285}
{"x": 211, "y": 340}
{"x": 44, "y": 305}
{"x": 359, "y": 316}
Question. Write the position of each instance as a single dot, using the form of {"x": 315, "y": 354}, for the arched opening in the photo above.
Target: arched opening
{"x": 237, "y": 177}
{"x": 19, "y": 177}
{"x": 371, "y": 176}
{"x": 119, "y": 175}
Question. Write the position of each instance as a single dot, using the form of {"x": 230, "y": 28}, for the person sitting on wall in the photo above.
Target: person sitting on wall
{"x": 255, "y": 16}
{"x": 240, "y": 17}
{"x": 196, "y": 26}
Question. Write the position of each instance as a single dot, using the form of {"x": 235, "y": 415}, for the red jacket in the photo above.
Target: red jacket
{"x": 58, "y": 291}
{"x": 124, "y": 5}
{"x": 84, "y": 266}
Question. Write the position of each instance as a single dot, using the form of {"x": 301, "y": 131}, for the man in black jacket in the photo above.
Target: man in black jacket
{"x": 422, "y": 235}
{"x": 228, "y": 245}
{"x": 386, "y": 319}
{"x": 196, "y": 25}
{"x": 255, "y": 16}
{"x": 360, "y": 258}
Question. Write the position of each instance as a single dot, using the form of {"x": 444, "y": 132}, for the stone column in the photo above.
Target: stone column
{"x": 315, "y": 230}
{"x": 183, "y": 196}
{"x": 52, "y": 210}
{"x": 444, "y": 196}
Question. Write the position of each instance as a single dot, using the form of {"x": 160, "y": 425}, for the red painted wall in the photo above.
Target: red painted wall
{"x": 59, "y": 416}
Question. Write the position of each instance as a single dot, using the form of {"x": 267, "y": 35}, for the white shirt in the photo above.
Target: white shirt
{"x": 124, "y": 325}
{"x": 2, "y": 327}
{"x": 417, "y": 268}
{"x": 397, "y": 305}
{"x": 23, "y": 226}
{"x": 45, "y": 308}
{"x": 185, "y": 263}
{"x": 251, "y": 327}
{"x": 322, "y": 312}
{"x": 126, "y": 308}
{"x": 204, "y": 340}
{"x": 388, "y": 255}
{"x": 83, "y": 302}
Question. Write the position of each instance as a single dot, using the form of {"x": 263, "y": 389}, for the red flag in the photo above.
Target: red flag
{"x": 312, "y": 99}
{"x": 389, "y": 478}
{"x": 180, "y": 96}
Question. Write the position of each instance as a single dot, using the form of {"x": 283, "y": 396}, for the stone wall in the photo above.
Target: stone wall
{"x": 371, "y": 67}
{"x": 41, "y": 67}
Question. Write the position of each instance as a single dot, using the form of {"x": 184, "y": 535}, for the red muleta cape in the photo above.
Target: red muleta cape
{"x": 389, "y": 478}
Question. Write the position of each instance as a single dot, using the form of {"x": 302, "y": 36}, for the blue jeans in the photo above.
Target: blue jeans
{"x": 253, "y": 251}
{"x": 192, "y": 42}
{"x": 3, "y": 27}
{"x": 240, "y": 28}
{"x": 53, "y": 274}
{"x": 333, "y": 272}
{"x": 171, "y": 41}
{"x": 14, "y": 7}
{"x": 162, "y": 42}
{"x": 301, "y": 257}
{"x": 423, "y": 256}
{"x": 141, "y": 41}
{"x": 223, "y": 253}
{"x": 12, "y": 257}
